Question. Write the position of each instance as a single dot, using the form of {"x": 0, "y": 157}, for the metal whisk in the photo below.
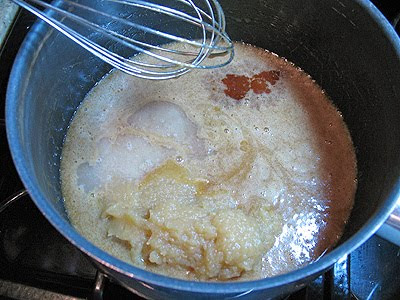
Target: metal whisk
{"x": 172, "y": 36}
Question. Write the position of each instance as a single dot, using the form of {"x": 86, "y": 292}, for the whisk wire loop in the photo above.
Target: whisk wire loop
{"x": 176, "y": 55}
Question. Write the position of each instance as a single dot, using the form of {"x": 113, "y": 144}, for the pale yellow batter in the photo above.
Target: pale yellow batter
{"x": 186, "y": 178}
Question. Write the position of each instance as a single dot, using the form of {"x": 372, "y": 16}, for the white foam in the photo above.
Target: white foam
{"x": 168, "y": 120}
{"x": 127, "y": 157}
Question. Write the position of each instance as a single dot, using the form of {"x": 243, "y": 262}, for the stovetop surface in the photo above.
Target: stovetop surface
{"x": 34, "y": 254}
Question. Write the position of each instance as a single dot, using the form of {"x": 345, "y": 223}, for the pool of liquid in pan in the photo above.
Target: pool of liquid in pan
{"x": 237, "y": 173}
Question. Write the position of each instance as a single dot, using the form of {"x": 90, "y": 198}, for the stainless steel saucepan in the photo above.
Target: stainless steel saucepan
{"x": 347, "y": 46}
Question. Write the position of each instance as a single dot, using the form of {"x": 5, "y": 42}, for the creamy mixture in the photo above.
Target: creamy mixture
{"x": 238, "y": 173}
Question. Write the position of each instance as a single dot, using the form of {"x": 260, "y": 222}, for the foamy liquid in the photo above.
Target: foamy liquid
{"x": 282, "y": 147}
